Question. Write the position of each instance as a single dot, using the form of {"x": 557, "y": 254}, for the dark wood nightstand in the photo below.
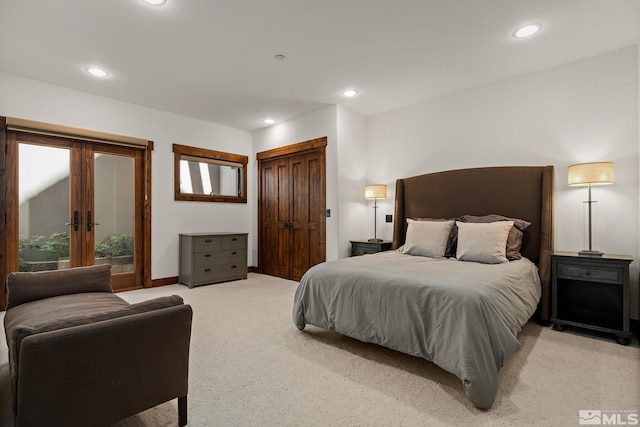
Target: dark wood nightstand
{"x": 591, "y": 292}
{"x": 362, "y": 247}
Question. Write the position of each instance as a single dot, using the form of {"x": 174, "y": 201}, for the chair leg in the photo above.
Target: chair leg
{"x": 182, "y": 411}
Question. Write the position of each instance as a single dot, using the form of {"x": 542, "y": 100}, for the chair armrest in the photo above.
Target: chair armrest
{"x": 102, "y": 372}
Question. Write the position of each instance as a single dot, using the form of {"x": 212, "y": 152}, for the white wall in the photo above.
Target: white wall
{"x": 584, "y": 111}
{"x": 310, "y": 126}
{"x": 352, "y": 179}
{"x": 34, "y": 100}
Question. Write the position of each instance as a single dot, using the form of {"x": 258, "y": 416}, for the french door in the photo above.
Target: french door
{"x": 74, "y": 203}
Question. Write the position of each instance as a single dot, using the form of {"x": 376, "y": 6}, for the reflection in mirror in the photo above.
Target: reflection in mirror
{"x": 210, "y": 177}
{"x": 207, "y": 175}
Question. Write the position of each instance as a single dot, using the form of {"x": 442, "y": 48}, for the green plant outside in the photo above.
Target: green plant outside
{"x": 115, "y": 245}
{"x": 40, "y": 248}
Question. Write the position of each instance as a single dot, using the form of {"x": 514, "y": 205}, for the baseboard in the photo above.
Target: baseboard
{"x": 174, "y": 280}
{"x": 164, "y": 281}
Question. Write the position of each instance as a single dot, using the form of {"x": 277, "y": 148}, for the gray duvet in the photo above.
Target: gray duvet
{"x": 463, "y": 316}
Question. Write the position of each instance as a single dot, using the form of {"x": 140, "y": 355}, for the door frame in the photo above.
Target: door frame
{"x": 8, "y": 184}
{"x": 286, "y": 151}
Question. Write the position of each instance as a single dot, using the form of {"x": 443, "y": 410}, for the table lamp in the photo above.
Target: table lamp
{"x": 590, "y": 174}
{"x": 375, "y": 192}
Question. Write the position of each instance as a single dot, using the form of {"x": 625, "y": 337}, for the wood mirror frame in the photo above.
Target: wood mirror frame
{"x": 211, "y": 157}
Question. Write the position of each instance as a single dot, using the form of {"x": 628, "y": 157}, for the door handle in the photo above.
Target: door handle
{"x": 76, "y": 221}
{"x": 89, "y": 223}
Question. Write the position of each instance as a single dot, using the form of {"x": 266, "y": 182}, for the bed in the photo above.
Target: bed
{"x": 464, "y": 316}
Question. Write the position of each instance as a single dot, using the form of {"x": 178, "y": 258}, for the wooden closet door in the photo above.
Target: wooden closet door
{"x": 292, "y": 214}
{"x": 276, "y": 203}
{"x": 307, "y": 214}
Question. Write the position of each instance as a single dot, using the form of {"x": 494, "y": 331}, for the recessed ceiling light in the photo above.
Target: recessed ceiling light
{"x": 280, "y": 57}
{"x": 98, "y": 72}
{"x": 155, "y": 2}
{"x": 349, "y": 93}
{"x": 527, "y": 31}
{"x": 269, "y": 121}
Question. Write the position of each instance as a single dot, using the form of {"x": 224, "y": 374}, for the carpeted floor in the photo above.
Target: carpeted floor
{"x": 250, "y": 366}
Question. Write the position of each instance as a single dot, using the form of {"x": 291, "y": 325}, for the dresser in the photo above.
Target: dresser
{"x": 591, "y": 292}
{"x": 207, "y": 258}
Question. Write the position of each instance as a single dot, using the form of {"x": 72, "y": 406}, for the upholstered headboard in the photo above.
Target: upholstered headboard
{"x": 515, "y": 191}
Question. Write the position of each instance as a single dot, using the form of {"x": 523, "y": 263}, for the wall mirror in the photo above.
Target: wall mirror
{"x": 202, "y": 175}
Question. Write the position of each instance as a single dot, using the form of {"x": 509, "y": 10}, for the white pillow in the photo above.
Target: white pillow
{"x": 427, "y": 238}
{"x": 484, "y": 243}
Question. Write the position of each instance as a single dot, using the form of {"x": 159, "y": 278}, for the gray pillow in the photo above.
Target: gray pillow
{"x": 514, "y": 241}
{"x": 450, "y": 251}
{"x": 485, "y": 243}
{"x": 427, "y": 238}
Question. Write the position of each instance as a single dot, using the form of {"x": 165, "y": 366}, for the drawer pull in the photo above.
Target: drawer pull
{"x": 234, "y": 253}
{"x": 206, "y": 270}
{"x": 588, "y": 273}
{"x": 207, "y": 255}
{"x": 234, "y": 266}
{"x": 207, "y": 240}
{"x": 235, "y": 239}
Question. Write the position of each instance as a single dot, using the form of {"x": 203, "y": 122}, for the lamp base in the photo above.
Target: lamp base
{"x": 590, "y": 253}
{"x": 374, "y": 240}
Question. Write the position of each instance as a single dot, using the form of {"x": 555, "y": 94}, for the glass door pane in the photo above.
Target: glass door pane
{"x": 44, "y": 207}
{"x": 114, "y": 204}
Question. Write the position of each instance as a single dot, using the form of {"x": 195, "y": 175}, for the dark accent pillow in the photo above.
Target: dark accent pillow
{"x": 514, "y": 241}
{"x": 452, "y": 241}
{"x": 24, "y": 287}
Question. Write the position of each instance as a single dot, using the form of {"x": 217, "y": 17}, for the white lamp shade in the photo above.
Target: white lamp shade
{"x": 375, "y": 191}
{"x": 591, "y": 173}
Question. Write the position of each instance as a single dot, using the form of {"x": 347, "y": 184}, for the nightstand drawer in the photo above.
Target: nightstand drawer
{"x": 592, "y": 274}
{"x": 364, "y": 247}
{"x": 363, "y": 250}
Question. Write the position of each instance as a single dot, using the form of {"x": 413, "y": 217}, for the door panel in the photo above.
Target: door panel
{"x": 283, "y": 201}
{"x": 112, "y": 219}
{"x": 45, "y": 215}
{"x": 299, "y": 217}
{"x": 317, "y": 216}
{"x": 269, "y": 224}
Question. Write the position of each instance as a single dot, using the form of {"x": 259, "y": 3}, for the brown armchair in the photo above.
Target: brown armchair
{"x": 80, "y": 355}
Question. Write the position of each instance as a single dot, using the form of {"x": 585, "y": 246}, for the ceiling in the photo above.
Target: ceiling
{"x": 214, "y": 59}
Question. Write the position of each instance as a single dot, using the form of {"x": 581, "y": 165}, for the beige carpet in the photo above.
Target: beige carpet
{"x": 250, "y": 366}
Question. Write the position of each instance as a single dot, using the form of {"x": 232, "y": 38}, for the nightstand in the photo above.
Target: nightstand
{"x": 362, "y": 247}
{"x": 591, "y": 292}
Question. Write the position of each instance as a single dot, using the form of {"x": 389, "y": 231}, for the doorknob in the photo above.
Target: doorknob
{"x": 76, "y": 221}
{"x": 89, "y": 223}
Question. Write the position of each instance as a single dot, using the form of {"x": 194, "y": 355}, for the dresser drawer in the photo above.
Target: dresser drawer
{"x": 592, "y": 274}
{"x": 216, "y": 273}
{"x": 203, "y": 259}
{"x": 233, "y": 242}
{"x": 208, "y": 243}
